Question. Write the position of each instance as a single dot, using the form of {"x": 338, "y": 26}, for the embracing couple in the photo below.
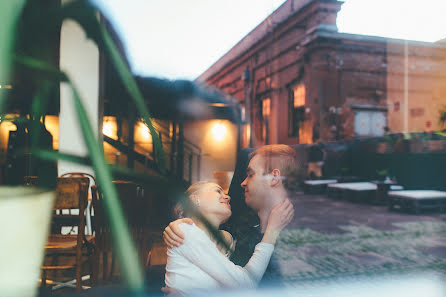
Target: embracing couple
{"x": 195, "y": 260}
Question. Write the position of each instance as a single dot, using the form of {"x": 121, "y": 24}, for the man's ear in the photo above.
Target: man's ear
{"x": 276, "y": 177}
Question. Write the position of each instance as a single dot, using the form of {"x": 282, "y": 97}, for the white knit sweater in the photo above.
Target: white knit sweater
{"x": 199, "y": 265}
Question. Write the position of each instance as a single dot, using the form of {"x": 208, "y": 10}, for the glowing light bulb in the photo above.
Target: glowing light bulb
{"x": 107, "y": 129}
{"x": 219, "y": 131}
{"x": 145, "y": 132}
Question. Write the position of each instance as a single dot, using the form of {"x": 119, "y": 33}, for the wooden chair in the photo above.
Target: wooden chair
{"x": 86, "y": 183}
{"x": 71, "y": 193}
{"x": 90, "y": 177}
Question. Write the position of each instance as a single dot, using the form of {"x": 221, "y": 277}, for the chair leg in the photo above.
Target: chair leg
{"x": 93, "y": 268}
{"x": 112, "y": 266}
{"x": 105, "y": 266}
{"x": 78, "y": 278}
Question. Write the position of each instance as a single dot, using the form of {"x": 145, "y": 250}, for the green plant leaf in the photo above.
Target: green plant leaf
{"x": 441, "y": 133}
{"x": 131, "y": 268}
{"x": 10, "y": 11}
{"x": 55, "y": 156}
{"x": 127, "y": 254}
{"x": 85, "y": 14}
{"x": 167, "y": 186}
{"x": 44, "y": 68}
{"x": 136, "y": 95}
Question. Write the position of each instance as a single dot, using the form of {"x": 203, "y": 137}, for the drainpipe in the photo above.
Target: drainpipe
{"x": 180, "y": 152}
{"x": 173, "y": 147}
{"x": 247, "y": 83}
{"x": 406, "y": 87}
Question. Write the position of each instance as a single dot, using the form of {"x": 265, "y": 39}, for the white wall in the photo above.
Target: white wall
{"x": 79, "y": 58}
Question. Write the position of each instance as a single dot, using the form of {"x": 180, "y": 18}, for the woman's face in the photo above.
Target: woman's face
{"x": 212, "y": 201}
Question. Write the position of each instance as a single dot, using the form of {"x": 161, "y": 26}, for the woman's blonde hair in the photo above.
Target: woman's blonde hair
{"x": 179, "y": 209}
{"x": 196, "y": 187}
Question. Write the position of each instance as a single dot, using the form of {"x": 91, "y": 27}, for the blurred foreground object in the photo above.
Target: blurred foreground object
{"x": 404, "y": 285}
{"x": 25, "y": 214}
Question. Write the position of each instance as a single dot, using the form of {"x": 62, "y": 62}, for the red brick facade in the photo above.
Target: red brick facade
{"x": 340, "y": 76}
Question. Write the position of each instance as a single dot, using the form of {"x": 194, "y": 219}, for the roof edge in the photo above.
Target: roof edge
{"x": 281, "y": 14}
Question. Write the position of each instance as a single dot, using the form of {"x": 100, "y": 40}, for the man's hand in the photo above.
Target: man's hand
{"x": 173, "y": 236}
{"x": 279, "y": 218}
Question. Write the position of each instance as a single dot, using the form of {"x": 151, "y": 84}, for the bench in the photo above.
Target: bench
{"x": 317, "y": 186}
{"x": 416, "y": 201}
{"x": 357, "y": 192}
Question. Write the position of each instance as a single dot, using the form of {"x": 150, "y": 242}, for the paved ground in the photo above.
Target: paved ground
{"x": 334, "y": 238}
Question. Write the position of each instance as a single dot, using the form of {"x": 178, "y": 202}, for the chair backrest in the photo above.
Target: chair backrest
{"x": 71, "y": 193}
{"x": 83, "y": 176}
{"x": 86, "y": 184}
{"x": 79, "y": 174}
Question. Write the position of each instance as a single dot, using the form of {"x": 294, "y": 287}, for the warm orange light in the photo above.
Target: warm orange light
{"x": 218, "y": 104}
{"x": 108, "y": 129}
{"x": 5, "y": 127}
{"x": 266, "y": 107}
{"x": 248, "y": 134}
{"x": 219, "y": 131}
{"x": 142, "y": 135}
{"x": 52, "y": 125}
{"x": 299, "y": 96}
{"x": 109, "y": 126}
{"x": 145, "y": 132}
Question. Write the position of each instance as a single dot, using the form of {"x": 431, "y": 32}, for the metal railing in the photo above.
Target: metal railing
{"x": 184, "y": 164}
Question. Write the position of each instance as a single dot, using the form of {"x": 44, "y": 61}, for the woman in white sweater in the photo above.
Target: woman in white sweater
{"x": 200, "y": 264}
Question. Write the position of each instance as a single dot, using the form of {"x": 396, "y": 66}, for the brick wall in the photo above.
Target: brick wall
{"x": 338, "y": 70}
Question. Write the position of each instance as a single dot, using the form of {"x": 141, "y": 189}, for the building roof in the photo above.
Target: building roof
{"x": 280, "y": 15}
{"x": 183, "y": 100}
{"x": 283, "y": 13}
{"x": 321, "y": 32}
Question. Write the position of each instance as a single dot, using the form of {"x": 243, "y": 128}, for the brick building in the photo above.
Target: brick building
{"x": 299, "y": 80}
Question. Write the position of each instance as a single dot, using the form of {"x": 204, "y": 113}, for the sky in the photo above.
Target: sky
{"x": 180, "y": 39}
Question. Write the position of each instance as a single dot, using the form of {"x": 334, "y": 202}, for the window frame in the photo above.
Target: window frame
{"x": 296, "y": 115}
